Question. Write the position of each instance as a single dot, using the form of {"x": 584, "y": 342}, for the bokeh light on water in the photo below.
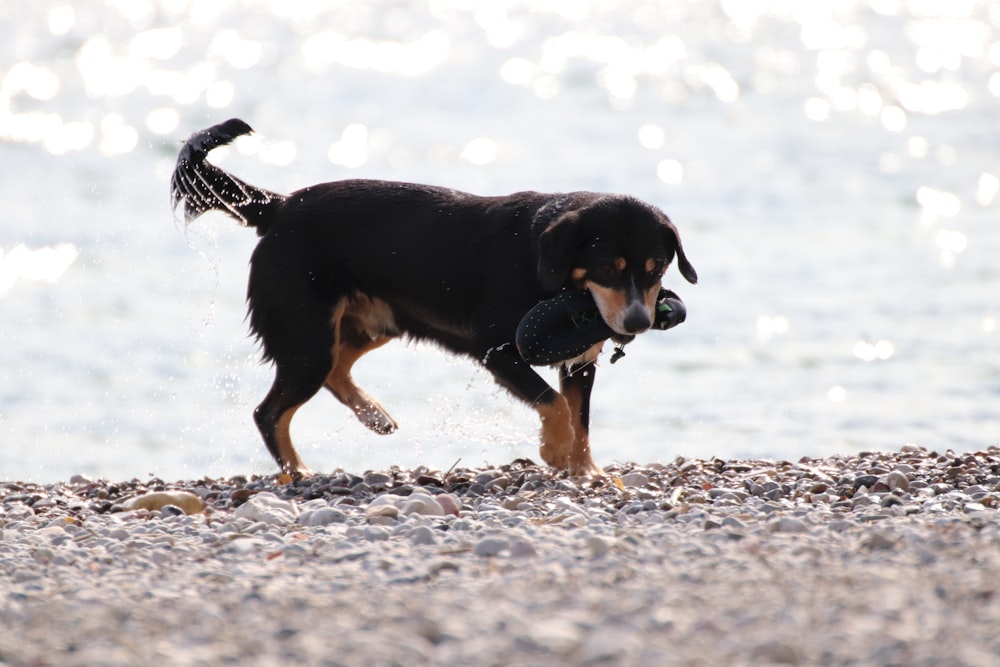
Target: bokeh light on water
{"x": 832, "y": 164}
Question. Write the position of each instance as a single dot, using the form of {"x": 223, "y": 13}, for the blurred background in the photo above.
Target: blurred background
{"x": 833, "y": 167}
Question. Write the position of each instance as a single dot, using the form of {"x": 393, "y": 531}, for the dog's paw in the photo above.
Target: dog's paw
{"x": 378, "y": 421}
{"x": 295, "y": 473}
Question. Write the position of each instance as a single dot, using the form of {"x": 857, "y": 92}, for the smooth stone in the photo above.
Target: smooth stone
{"x": 880, "y": 541}
{"x": 866, "y": 481}
{"x": 897, "y": 481}
{"x": 388, "y": 500}
{"x": 268, "y": 508}
{"x": 889, "y": 500}
{"x": 634, "y": 479}
{"x": 377, "y": 480}
{"x": 449, "y": 503}
{"x": 722, "y": 493}
{"x": 597, "y": 546}
{"x": 840, "y": 525}
{"x": 322, "y": 516}
{"x": 789, "y": 524}
{"x": 425, "y": 505}
{"x": 170, "y": 511}
{"x": 243, "y": 545}
{"x": 522, "y": 548}
{"x": 157, "y": 500}
{"x": 376, "y": 534}
{"x": 423, "y": 535}
{"x": 490, "y": 547}
{"x": 374, "y": 511}
{"x": 43, "y": 555}
{"x": 556, "y": 635}
{"x": 733, "y": 522}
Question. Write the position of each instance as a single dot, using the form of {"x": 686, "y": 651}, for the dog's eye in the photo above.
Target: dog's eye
{"x": 656, "y": 267}
{"x": 608, "y": 270}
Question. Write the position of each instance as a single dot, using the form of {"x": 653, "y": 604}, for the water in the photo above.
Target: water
{"x": 832, "y": 166}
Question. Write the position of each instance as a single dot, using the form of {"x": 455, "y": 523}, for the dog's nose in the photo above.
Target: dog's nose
{"x": 636, "y": 319}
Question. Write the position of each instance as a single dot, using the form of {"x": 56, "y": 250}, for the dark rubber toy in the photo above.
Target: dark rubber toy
{"x": 566, "y": 325}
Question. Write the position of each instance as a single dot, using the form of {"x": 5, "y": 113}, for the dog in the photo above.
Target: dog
{"x": 341, "y": 268}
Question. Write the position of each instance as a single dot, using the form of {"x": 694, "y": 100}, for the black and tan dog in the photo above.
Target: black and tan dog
{"x": 343, "y": 267}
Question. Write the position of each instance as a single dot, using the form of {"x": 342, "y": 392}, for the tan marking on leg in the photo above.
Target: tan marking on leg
{"x": 341, "y": 385}
{"x": 557, "y": 432}
{"x": 336, "y": 319}
{"x": 290, "y": 461}
{"x": 580, "y": 460}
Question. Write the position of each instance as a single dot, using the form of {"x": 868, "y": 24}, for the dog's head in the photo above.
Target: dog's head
{"x": 617, "y": 247}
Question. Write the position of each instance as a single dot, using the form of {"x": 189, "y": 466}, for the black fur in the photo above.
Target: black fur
{"x": 343, "y": 266}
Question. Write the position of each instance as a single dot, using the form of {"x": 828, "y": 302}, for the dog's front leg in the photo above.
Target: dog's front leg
{"x": 576, "y": 381}
{"x": 558, "y": 437}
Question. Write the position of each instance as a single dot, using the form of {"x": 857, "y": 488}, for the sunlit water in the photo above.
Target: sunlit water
{"x": 832, "y": 165}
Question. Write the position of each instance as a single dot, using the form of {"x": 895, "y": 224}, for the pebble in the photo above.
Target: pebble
{"x": 188, "y": 502}
{"x": 423, "y": 535}
{"x": 789, "y": 524}
{"x": 521, "y": 548}
{"x": 597, "y": 546}
{"x": 634, "y": 479}
{"x": 171, "y": 510}
{"x": 897, "y": 481}
{"x": 450, "y": 505}
{"x": 422, "y": 504}
{"x": 490, "y": 547}
{"x": 323, "y": 516}
{"x": 268, "y": 508}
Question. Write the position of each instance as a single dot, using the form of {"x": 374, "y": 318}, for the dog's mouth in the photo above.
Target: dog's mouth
{"x": 626, "y": 314}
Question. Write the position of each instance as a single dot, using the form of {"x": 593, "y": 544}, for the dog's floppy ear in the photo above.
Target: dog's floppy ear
{"x": 557, "y": 245}
{"x": 682, "y": 261}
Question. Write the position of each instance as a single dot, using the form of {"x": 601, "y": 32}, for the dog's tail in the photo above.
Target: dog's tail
{"x": 198, "y": 186}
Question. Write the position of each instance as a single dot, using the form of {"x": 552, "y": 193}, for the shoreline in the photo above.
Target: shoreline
{"x": 876, "y": 558}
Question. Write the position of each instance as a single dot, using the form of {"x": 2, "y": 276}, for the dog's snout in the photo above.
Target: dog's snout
{"x": 636, "y": 319}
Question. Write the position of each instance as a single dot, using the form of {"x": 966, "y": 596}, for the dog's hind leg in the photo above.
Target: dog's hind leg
{"x": 294, "y": 384}
{"x": 348, "y": 350}
{"x": 296, "y": 336}
{"x": 289, "y": 392}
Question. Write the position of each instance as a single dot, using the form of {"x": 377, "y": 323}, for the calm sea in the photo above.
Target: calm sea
{"x": 833, "y": 166}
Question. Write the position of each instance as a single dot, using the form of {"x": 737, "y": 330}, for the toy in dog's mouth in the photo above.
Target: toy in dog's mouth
{"x": 568, "y": 324}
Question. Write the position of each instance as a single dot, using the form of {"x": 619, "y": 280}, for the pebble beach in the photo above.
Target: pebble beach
{"x": 880, "y": 558}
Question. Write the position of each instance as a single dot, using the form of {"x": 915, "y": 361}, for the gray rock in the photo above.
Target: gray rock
{"x": 376, "y": 533}
{"x": 268, "y": 508}
{"x": 597, "y": 546}
{"x": 522, "y": 548}
{"x": 490, "y": 547}
{"x": 422, "y": 535}
{"x": 420, "y": 503}
{"x": 897, "y": 481}
{"x": 789, "y": 524}
{"x": 323, "y": 516}
{"x": 634, "y": 479}
{"x": 171, "y": 511}
{"x": 377, "y": 481}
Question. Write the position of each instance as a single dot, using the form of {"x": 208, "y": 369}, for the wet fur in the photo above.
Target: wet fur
{"x": 343, "y": 267}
